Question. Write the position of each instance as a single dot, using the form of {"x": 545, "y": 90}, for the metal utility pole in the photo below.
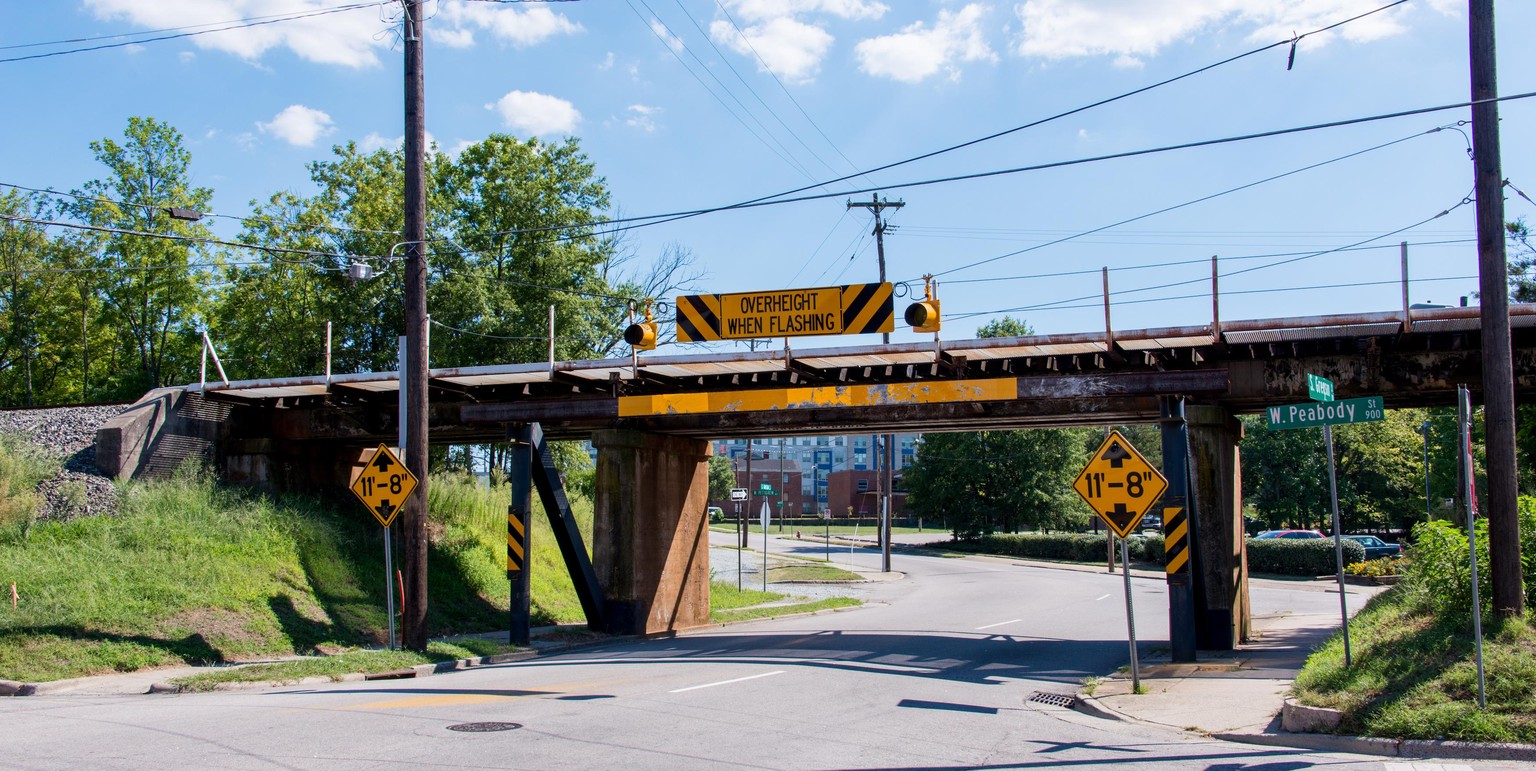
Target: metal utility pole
{"x": 1493, "y": 284}
{"x": 415, "y": 529}
{"x": 875, "y": 206}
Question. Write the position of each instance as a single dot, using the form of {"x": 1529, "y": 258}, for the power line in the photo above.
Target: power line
{"x": 1310, "y": 255}
{"x": 660, "y": 219}
{"x": 184, "y": 239}
{"x": 256, "y": 22}
{"x": 71, "y": 41}
{"x": 780, "y": 151}
{"x": 775, "y": 76}
{"x": 792, "y": 133}
{"x": 235, "y": 217}
{"x": 1190, "y": 202}
{"x": 781, "y": 197}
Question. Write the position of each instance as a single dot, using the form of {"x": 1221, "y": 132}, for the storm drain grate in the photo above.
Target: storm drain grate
{"x": 1053, "y": 699}
{"x": 484, "y": 728}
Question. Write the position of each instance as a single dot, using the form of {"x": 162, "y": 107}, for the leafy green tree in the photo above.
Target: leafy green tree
{"x": 1007, "y": 326}
{"x": 990, "y": 481}
{"x": 722, "y": 477}
{"x": 153, "y": 288}
{"x": 30, "y": 316}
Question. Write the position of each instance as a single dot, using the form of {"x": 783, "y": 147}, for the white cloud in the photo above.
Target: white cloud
{"x": 536, "y": 114}
{"x": 186, "y": 56}
{"x": 919, "y": 51}
{"x": 642, "y": 117}
{"x": 607, "y": 63}
{"x": 1131, "y": 29}
{"x": 298, "y": 125}
{"x": 790, "y": 48}
{"x": 519, "y": 26}
{"x": 761, "y": 10}
{"x": 673, "y": 42}
{"x": 348, "y": 38}
{"x": 777, "y": 36}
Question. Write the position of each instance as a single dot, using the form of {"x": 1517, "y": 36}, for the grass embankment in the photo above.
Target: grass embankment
{"x": 188, "y": 572}
{"x": 1413, "y": 676}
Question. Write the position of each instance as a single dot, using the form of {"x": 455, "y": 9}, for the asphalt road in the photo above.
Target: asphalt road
{"x": 934, "y": 673}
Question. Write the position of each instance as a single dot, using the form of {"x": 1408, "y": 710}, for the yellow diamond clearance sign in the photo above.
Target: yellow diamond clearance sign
{"x": 1119, "y": 484}
{"x": 384, "y": 485}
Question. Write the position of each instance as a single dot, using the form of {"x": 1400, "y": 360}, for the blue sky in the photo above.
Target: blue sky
{"x": 684, "y": 104}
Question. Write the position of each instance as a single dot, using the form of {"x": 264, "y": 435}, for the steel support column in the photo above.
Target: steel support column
{"x": 1220, "y": 575}
{"x": 1178, "y": 539}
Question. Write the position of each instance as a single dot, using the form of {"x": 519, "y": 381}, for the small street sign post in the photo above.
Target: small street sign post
{"x": 1319, "y": 389}
{"x": 765, "y": 516}
{"x": 1326, "y": 412}
{"x": 1120, "y": 486}
{"x": 384, "y": 486}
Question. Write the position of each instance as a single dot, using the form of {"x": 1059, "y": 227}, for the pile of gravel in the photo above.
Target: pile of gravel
{"x": 67, "y": 435}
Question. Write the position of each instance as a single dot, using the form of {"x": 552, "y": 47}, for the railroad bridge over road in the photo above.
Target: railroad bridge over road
{"x": 650, "y": 418}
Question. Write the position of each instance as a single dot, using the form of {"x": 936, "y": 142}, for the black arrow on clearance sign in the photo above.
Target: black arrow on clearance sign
{"x": 385, "y": 509}
{"x": 1116, "y": 455}
{"x": 382, "y": 462}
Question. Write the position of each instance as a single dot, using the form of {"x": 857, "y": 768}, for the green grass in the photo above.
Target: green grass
{"x": 1413, "y": 676}
{"x": 188, "y": 572}
{"x": 791, "y": 573}
{"x": 341, "y": 664}
{"x": 774, "y": 611}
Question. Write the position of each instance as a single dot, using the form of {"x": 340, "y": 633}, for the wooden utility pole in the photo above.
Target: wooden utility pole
{"x": 875, "y": 206}
{"x": 415, "y": 530}
{"x": 1493, "y": 285}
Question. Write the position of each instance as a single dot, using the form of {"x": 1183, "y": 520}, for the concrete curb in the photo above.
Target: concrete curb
{"x": 417, "y": 671}
{"x": 1360, "y": 745}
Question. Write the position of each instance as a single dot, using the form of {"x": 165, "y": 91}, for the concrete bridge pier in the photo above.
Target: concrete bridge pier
{"x": 1222, "y": 615}
{"x": 650, "y": 531}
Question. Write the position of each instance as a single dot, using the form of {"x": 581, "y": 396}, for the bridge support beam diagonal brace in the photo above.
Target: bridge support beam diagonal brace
{"x": 546, "y": 480}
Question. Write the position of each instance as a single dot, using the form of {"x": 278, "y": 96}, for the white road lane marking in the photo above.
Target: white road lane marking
{"x": 1100, "y": 598}
{"x": 1000, "y": 623}
{"x": 728, "y": 682}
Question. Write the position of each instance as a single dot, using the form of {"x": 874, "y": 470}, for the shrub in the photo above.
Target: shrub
{"x": 1299, "y": 557}
{"x": 1440, "y": 575}
{"x": 1385, "y": 566}
{"x": 1071, "y": 547}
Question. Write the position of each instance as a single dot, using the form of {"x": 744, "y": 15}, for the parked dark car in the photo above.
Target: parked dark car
{"x": 1375, "y": 548}
{"x": 1290, "y": 534}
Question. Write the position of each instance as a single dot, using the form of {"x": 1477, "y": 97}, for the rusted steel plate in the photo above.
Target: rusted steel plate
{"x": 773, "y": 399}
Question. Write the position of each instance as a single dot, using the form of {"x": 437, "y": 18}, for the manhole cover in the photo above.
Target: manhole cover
{"x": 1053, "y": 699}
{"x": 484, "y": 728}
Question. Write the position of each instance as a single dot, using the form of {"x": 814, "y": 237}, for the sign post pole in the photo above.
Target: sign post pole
{"x": 1338, "y": 540}
{"x": 1121, "y": 486}
{"x": 765, "y": 516}
{"x": 1130, "y": 615}
{"x": 384, "y": 485}
{"x": 1469, "y": 492}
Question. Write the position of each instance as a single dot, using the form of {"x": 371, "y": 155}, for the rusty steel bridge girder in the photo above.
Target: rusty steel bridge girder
{"x": 1030, "y": 382}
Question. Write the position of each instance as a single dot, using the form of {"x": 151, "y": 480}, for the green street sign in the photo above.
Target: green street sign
{"x": 766, "y": 490}
{"x": 1313, "y": 414}
{"x": 1319, "y": 389}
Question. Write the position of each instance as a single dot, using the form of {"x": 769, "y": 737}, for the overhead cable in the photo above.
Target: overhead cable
{"x": 255, "y": 22}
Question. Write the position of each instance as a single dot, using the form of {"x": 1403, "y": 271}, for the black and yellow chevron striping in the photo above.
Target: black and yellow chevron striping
{"x": 517, "y": 541}
{"x": 1176, "y": 540}
{"x": 698, "y": 318}
{"x": 867, "y": 308}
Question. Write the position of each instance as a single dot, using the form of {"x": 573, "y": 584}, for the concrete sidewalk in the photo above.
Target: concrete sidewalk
{"x": 1238, "y": 696}
{"x": 1223, "y": 692}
